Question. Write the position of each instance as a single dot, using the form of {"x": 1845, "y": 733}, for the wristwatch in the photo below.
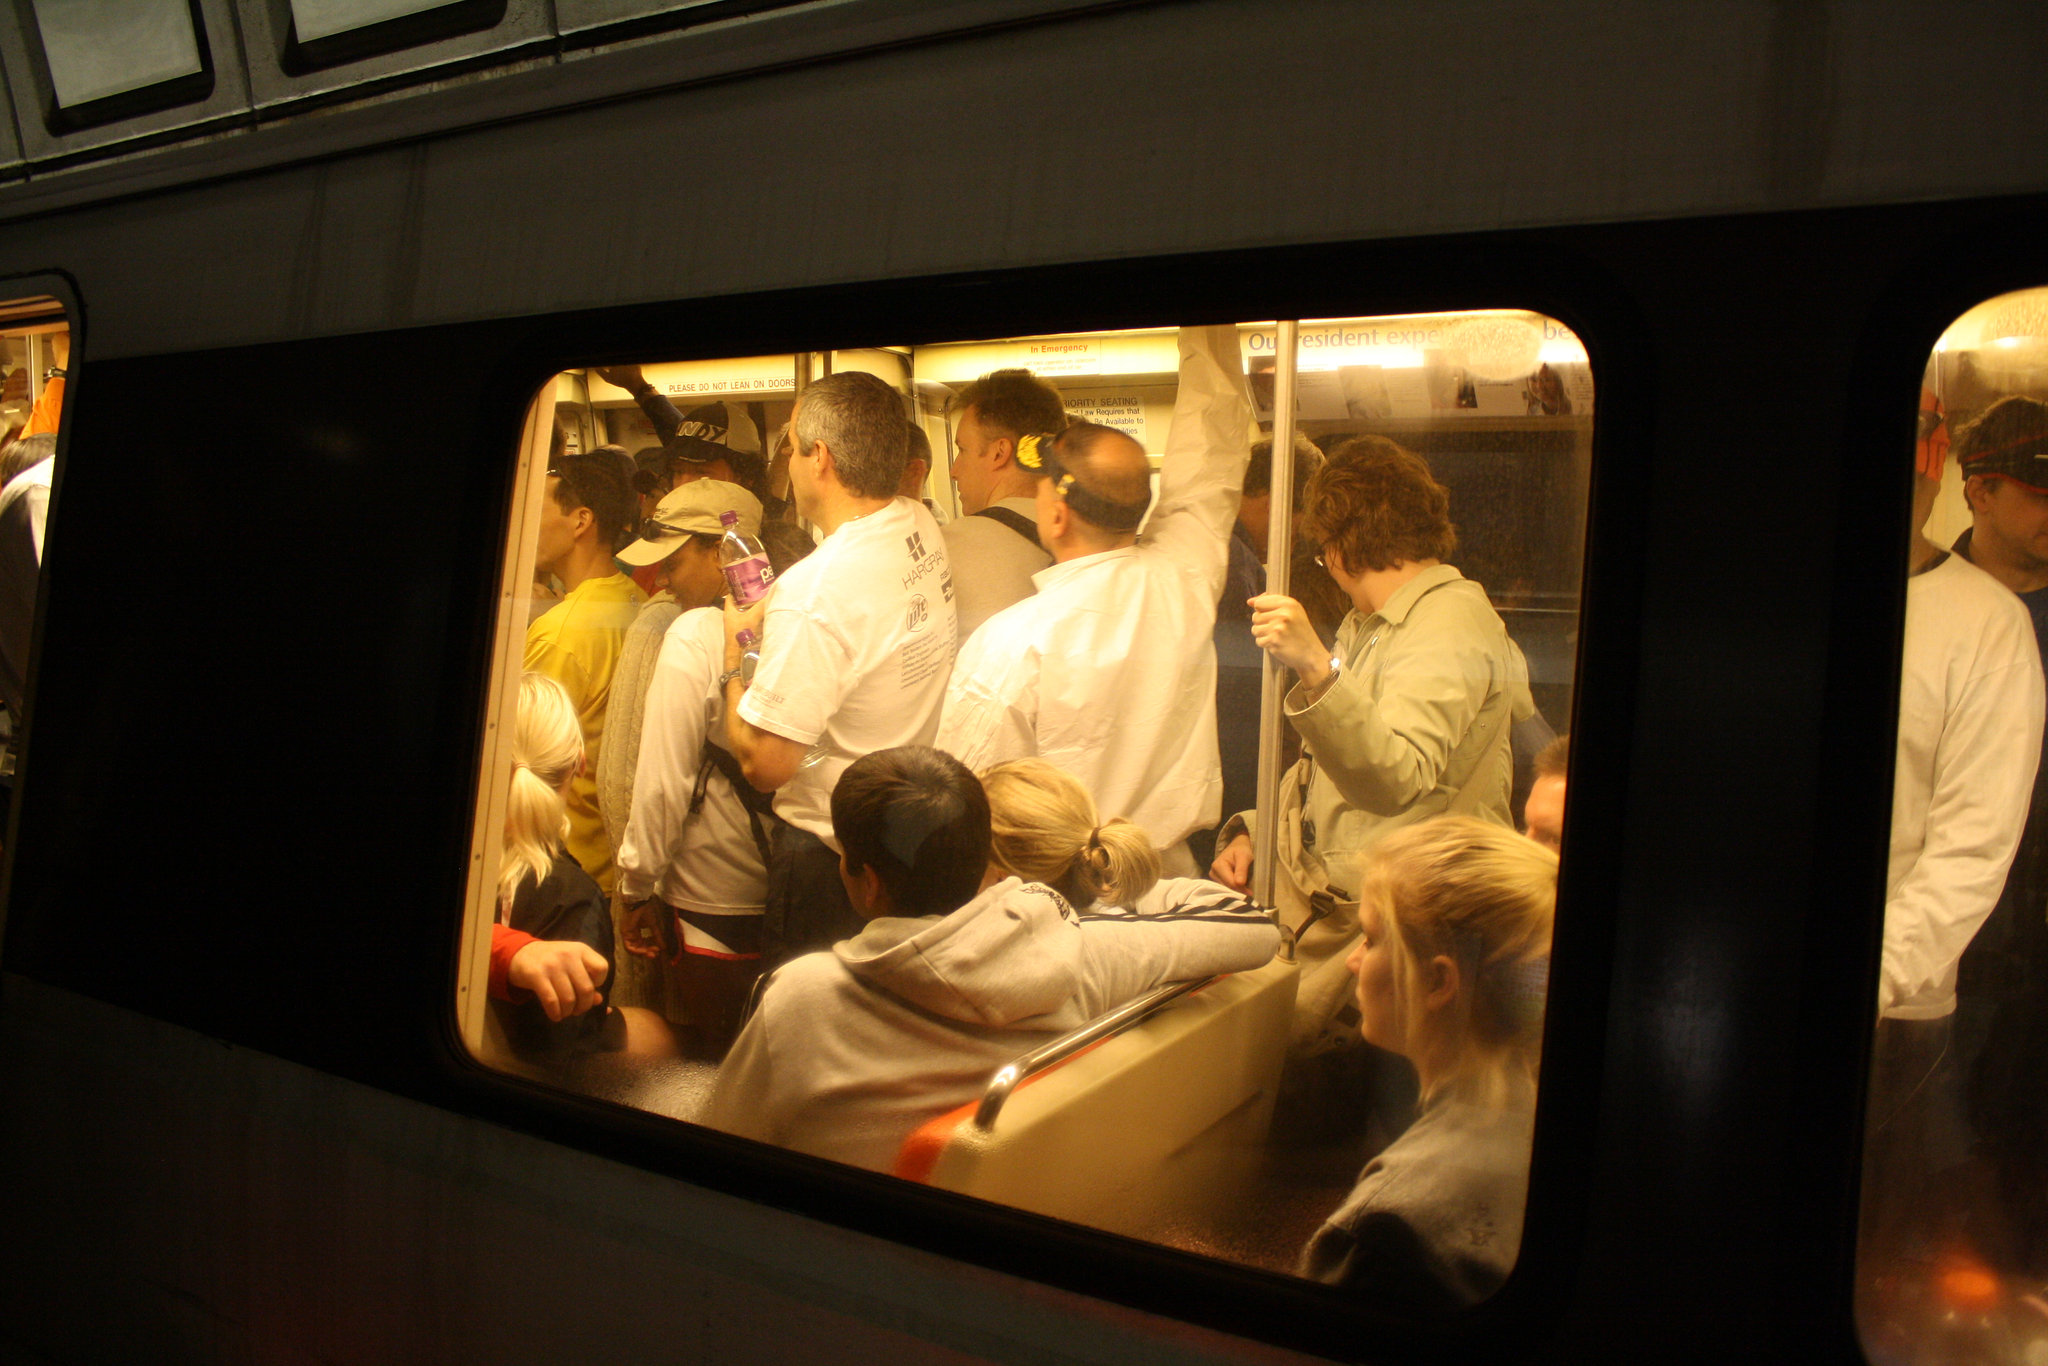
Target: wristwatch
{"x": 749, "y": 661}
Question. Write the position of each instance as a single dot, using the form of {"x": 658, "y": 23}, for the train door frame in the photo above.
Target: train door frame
{"x": 61, "y": 287}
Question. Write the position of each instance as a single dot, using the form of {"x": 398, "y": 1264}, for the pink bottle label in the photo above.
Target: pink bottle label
{"x": 749, "y": 579}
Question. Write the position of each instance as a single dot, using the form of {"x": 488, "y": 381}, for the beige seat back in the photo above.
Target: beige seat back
{"x": 1147, "y": 1127}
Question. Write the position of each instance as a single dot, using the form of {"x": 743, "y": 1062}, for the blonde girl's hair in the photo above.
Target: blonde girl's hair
{"x": 1047, "y": 830}
{"x": 547, "y": 746}
{"x": 1485, "y": 897}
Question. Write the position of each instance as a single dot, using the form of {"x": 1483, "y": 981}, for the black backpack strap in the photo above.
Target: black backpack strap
{"x": 757, "y": 803}
{"x": 1013, "y": 519}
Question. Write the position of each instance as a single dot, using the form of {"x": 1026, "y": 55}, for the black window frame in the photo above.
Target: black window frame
{"x": 1443, "y": 276}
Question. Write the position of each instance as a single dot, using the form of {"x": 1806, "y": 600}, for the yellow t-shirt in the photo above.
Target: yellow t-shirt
{"x": 43, "y": 417}
{"x": 577, "y": 642}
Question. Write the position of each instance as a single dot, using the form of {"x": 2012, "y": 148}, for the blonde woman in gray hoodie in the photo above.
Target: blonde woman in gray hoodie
{"x": 963, "y": 965}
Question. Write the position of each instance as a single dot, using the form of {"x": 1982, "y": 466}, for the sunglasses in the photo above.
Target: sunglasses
{"x": 654, "y": 529}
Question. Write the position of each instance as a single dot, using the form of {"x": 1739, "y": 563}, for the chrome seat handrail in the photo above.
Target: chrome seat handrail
{"x": 1012, "y": 1075}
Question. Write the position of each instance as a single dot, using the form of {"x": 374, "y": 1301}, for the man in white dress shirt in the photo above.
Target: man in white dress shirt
{"x": 993, "y": 547}
{"x": 1109, "y": 671}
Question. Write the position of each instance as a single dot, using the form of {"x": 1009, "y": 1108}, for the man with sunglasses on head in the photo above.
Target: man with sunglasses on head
{"x": 586, "y": 514}
{"x": 1109, "y": 671}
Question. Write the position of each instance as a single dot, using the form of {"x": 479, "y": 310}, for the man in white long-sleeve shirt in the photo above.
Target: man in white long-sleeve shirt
{"x": 1970, "y": 722}
{"x": 693, "y": 852}
{"x": 1109, "y": 671}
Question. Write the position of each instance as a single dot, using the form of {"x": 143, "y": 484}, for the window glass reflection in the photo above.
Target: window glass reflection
{"x": 1954, "y": 1229}
{"x": 904, "y": 720}
{"x": 98, "y": 48}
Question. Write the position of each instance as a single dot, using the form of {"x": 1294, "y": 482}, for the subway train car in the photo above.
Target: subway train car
{"x": 336, "y": 279}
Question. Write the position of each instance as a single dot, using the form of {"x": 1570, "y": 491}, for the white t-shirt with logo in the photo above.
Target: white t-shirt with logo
{"x": 856, "y": 650}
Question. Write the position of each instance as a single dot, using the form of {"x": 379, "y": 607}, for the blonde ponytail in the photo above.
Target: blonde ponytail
{"x": 547, "y": 749}
{"x": 1046, "y": 829}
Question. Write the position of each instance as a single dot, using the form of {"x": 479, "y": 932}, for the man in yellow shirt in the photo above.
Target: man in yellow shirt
{"x": 588, "y": 512}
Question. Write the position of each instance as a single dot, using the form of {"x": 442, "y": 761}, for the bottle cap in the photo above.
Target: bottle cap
{"x": 747, "y": 638}
{"x": 728, "y": 519}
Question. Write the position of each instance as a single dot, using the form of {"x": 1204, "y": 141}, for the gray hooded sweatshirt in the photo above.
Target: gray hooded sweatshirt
{"x": 853, "y": 1049}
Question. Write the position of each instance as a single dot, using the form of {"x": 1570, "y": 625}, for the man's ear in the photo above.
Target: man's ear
{"x": 1976, "y": 489}
{"x": 1058, "y": 518}
{"x": 863, "y": 886}
{"x": 826, "y": 464}
{"x": 1001, "y": 452}
{"x": 1442, "y": 979}
{"x": 582, "y": 520}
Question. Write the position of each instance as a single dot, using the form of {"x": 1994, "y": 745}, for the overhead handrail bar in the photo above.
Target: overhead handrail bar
{"x": 1273, "y": 679}
{"x": 1012, "y": 1075}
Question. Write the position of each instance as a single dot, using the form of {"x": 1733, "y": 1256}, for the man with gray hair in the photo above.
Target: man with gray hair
{"x": 855, "y": 645}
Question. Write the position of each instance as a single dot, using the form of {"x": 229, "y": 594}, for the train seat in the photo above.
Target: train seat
{"x": 1141, "y": 1130}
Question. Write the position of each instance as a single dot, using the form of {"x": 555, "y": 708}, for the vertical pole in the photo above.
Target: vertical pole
{"x": 1279, "y": 553}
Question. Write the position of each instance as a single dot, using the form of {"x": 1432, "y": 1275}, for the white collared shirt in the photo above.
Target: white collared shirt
{"x": 1109, "y": 671}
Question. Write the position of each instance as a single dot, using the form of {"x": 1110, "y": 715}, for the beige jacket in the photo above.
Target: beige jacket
{"x": 1416, "y": 723}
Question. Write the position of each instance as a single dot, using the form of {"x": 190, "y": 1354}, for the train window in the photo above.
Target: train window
{"x": 104, "y": 61}
{"x": 1099, "y": 789}
{"x": 1953, "y": 1236}
{"x": 35, "y": 348}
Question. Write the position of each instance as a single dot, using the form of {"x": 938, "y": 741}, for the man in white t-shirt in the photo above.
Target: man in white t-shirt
{"x": 993, "y": 548}
{"x": 1109, "y": 671}
{"x": 1970, "y": 722}
{"x": 856, "y": 645}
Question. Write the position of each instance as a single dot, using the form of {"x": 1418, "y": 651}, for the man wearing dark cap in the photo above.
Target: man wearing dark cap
{"x": 1971, "y": 706}
{"x": 2003, "y": 978}
{"x": 1109, "y": 671}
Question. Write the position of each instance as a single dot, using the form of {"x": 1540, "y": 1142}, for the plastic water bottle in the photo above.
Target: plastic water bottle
{"x": 745, "y": 562}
